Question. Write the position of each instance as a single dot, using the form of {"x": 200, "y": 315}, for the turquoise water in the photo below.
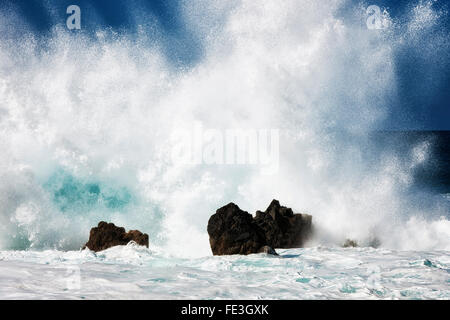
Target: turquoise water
{"x": 72, "y": 194}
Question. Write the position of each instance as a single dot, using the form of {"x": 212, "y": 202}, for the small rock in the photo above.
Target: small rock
{"x": 107, "y": 235}
{"x": 350, "y": 243}
{"x": 268, "y": 250}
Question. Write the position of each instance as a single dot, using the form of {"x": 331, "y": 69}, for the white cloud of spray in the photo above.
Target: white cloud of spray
{"x": 104, "y": 111}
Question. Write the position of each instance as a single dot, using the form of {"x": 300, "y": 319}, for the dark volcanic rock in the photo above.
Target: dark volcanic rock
{"x": 283, "y": 228}
{"x": 268, "y": 250}
{"x": 107, "y": 235}
{"x": 349, "y": 243}
{"x": 233, "y": 231}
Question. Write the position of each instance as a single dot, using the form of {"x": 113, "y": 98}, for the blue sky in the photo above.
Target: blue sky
{"x": 424, "y": 102}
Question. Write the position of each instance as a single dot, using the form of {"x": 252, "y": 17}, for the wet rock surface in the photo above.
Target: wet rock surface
{"x": 107, "y": 235}
{"x": 282, "y": 228}
{"x": 234, "y": 231}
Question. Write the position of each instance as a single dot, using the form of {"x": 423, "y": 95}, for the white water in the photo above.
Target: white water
{"x": 86, "y": 128}
{"x": 313, "y": 273}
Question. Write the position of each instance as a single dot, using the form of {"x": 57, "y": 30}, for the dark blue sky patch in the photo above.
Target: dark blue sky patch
{"x": 180, "y": 45}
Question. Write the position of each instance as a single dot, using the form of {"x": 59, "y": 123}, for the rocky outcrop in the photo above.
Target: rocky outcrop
{"x": 349, "y": 243}
{"x": 234, "y": 231}
{"x": 282, "y": 228}
{"x": 107, "y": 235}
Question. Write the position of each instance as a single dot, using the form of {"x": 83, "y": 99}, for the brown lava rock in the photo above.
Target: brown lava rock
{"x": 107, "y": 235}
